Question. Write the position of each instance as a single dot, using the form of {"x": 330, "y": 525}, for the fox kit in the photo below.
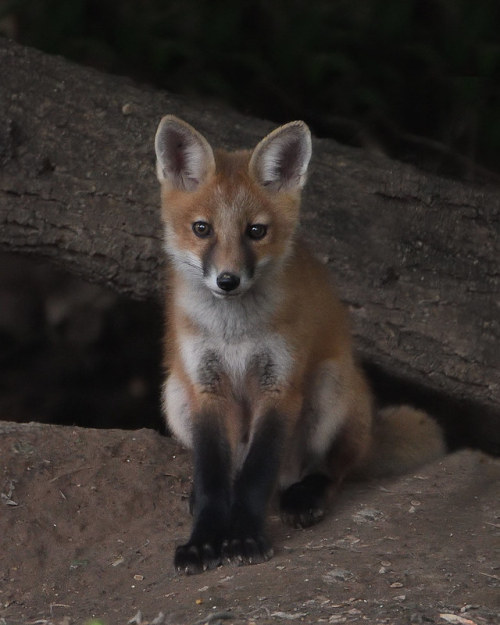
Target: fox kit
{"x": 262, "y": 384}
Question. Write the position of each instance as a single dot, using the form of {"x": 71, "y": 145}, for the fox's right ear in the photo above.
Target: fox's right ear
{"x": 184, "y": 157}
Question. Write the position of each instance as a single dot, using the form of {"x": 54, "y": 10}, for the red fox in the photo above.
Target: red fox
{"x": 262, "y": 382}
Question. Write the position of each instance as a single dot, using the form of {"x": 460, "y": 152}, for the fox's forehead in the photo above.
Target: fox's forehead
{"x": 219, "y": 203}
{"x": 232, "y": 194}
{"x": 227, "y": 204}
{"x": 230, "y": 197}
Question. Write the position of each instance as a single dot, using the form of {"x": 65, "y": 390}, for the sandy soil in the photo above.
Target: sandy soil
{"x": 89, "y": 520}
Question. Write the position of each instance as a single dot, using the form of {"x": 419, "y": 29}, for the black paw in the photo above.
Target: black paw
{"x": 247, "y": 549}
{"x": 302, "y": 506}
{"x": 194, "y": 557}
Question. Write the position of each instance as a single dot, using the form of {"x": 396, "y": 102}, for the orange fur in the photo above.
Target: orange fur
{"x": 274, "y": 341}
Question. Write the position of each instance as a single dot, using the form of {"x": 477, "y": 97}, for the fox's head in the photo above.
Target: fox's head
{"x": 230, "y": 217}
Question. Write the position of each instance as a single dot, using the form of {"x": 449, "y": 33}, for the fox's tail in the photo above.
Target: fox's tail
{"x": 403, "y": 439}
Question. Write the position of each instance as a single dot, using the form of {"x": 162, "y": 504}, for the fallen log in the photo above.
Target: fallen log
{"x": 415, "y": 256}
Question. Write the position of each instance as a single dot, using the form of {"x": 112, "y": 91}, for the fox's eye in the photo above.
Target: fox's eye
{"x": 257, "y": 231}
{"x": 202, "y": 229}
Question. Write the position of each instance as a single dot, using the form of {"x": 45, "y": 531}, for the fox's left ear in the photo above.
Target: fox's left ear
{"x": 280, "y": 160}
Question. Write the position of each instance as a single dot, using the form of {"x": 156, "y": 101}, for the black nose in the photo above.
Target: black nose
{"x": 228, "y": 281}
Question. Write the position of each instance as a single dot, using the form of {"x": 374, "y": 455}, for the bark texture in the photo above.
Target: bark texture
{"x": 415, "y": 256}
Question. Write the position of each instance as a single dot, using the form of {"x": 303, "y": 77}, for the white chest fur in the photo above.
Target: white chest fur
{"x": 231, "y": 337}
{"x": 231, "y": 341}
{"x": 206, "y": 358}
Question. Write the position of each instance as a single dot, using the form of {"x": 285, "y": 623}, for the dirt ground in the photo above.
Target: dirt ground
{"x": 89, "y": 520}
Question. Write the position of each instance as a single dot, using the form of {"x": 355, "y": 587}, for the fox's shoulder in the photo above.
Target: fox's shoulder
{"x": 310, "y": 302}
{"x": 308, "y": 278}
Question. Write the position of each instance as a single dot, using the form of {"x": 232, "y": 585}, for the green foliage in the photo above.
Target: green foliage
{"x": 390, "y": 67}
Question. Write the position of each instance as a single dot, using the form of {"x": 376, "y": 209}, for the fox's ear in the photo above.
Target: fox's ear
{"x": 184, "y": 156}
{"x": 280, "y": 160}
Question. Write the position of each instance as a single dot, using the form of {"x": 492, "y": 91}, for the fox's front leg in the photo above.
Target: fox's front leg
{"x": 211, "y": 497}
{"x": 246, "y": 541}
{"x": 229, "y": 515}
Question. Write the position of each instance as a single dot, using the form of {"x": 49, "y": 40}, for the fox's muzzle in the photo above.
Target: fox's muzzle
{"x": 228, "y": 281}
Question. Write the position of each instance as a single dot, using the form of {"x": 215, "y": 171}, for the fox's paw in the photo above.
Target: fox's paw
{"x": 247, "y": 549}
{"x": 196, "y": 557}
{"x": 300, "y": 507}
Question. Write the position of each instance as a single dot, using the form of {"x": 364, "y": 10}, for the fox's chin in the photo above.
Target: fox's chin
{"x": 238, "y": 293}
{"x": 226, "y": 295}
{"x": 243, "y": 289}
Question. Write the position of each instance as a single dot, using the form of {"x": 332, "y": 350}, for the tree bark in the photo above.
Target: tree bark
{"x": 416, "y": 257}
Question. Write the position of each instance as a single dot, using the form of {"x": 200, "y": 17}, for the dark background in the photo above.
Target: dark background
{"x": 415, "y": 79}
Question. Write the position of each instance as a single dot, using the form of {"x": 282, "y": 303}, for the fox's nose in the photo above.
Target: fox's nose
{"x": 228, "y": 281}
